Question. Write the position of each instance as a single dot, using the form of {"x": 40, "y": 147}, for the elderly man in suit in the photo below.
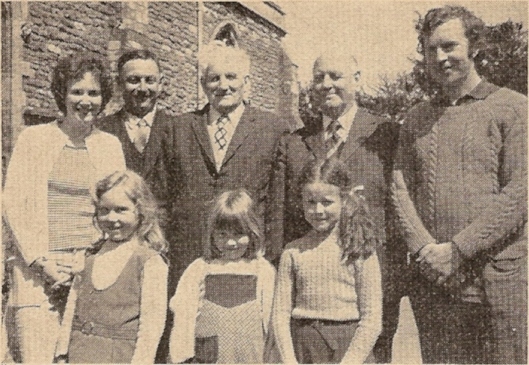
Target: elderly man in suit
{"x": 226, "y": 145}
{"x": 141, "y": 125}
{"x": 363, "y": 141}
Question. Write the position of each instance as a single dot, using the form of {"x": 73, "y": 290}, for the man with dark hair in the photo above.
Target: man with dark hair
{"x": 141, "y": 125}
{"x": 460, "y": 193}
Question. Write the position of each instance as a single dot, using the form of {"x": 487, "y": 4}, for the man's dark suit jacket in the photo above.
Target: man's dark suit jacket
{"x": 368, "y": 152}
{"x": 154, "y": 163}
{"x": 248, "y": 164}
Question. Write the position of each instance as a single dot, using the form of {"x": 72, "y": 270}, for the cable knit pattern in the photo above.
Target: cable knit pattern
{"x": 431, "y": 172}
{"x": 479, "y": 177}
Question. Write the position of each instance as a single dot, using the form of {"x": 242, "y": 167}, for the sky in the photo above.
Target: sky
{"x": 380, "y": 34}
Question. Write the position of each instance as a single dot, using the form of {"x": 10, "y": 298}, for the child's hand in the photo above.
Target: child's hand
{"x": 57, "y": 273}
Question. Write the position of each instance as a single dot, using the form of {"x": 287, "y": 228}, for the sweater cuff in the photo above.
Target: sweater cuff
{"x": 465, "y": 249}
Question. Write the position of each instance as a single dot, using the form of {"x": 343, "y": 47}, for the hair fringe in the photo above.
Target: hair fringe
{"x": 236, "y": 206}
{"x": 358, "y": 237}
{"x": 149, "y": 231}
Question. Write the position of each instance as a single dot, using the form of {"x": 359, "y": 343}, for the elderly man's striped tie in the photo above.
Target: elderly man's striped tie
{"x": 332, "y": 138}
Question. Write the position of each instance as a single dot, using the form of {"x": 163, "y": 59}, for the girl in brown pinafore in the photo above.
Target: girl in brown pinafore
{"x": 117, "y": 306}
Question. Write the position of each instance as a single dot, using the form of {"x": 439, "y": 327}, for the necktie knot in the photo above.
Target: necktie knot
{"x": 332, "y": 130}
{"x": 142, "y": 123}
{"x": 142, "y": 135}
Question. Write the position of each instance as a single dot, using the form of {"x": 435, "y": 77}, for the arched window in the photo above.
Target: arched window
{"x": 226, "y": 33}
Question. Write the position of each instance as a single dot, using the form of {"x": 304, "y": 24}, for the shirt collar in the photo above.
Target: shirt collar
{"x": 132, "y": 120}
{"x": 234, "y": 116}
{"x": 480, "y": 92}
{"x": 346, "y": 119}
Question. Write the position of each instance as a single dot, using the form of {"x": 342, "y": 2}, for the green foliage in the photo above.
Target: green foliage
{"x": 393, "y": 98}
{"x": 504, "y": 60}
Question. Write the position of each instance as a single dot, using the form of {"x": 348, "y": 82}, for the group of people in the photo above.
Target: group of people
{"x": 141, "y": 236}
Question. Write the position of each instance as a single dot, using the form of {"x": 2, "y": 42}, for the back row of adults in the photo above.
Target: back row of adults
{"x": 448, "y": 191}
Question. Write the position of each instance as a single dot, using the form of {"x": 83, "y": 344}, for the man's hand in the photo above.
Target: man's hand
{"x": 443, "y": 258}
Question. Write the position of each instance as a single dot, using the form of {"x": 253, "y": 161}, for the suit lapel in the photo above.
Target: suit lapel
{"x": 363, "y": 126}
{"x": 315, "y": 143}
{"x": 120, "y": 129}
{"x": 242, "y": 131}
{"x": 201, "y": 133}
{"x": 153, "y": 147}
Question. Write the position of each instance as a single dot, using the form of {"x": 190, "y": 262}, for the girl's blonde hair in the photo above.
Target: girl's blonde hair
{"x": 138, "y": 192}
{"x": 233, "y": 211}
{"x": 357, "y": 230}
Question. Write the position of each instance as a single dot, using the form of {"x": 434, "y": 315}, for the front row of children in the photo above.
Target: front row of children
{"x": 323, "y": 307}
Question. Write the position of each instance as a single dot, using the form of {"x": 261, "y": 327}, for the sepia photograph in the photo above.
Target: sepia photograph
{"x": 264, "y": 182}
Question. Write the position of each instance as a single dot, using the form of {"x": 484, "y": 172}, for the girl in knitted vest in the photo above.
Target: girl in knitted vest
{"x": 223, "y": 300}
{"x": 117, "y": 306}
{"x": 328, "y": 299}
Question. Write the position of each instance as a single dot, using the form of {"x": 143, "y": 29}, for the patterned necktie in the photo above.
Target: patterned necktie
{"x": 332, "y": 138}
{"x": 220, "y": 134}
{"x": 142, "y": 135}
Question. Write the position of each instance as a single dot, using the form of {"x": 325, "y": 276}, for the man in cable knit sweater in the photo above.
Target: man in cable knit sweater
{"x": 460, "y": 191}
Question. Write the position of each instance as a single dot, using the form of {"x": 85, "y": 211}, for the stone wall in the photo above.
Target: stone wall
{"x": 261, "y": 40}
{"x": 175, "y": 31}
{"x": 57, "y": 28}
{"x": 173, "y": 35}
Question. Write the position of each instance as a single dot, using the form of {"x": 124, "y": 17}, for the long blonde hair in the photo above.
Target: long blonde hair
{"x": 138, "y": 192}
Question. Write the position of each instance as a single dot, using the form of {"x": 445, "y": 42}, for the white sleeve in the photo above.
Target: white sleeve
{"x": 267, "y": 275}
{"x": 369, "y": 293}
{"x": 153, "y": 310}
{"x": 282, "y": 309}
{"x": 184, "y": 305}
{"x": 19, "y": 198}
{"x": 119, "y": 163}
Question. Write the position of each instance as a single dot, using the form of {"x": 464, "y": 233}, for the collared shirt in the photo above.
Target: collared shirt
{"x": 233, "y": 121}
{"x": 480, "y": 92}
{"x": 132, "y": 123}
{"x": 345, "y": 120}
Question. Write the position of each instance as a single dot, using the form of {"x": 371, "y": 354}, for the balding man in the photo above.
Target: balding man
{"x": 364, "y": 141}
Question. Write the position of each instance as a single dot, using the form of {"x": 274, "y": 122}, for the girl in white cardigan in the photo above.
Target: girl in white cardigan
{"x": 223, "y": 300}
{"x": 47, "y": 203}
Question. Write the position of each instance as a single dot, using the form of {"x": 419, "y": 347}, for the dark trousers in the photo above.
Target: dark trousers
{"x": 396, "y": 278}
{"x": 451, "y": 331}
{"x": 506, "y": 290}
{"x": 321, "y": 341}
